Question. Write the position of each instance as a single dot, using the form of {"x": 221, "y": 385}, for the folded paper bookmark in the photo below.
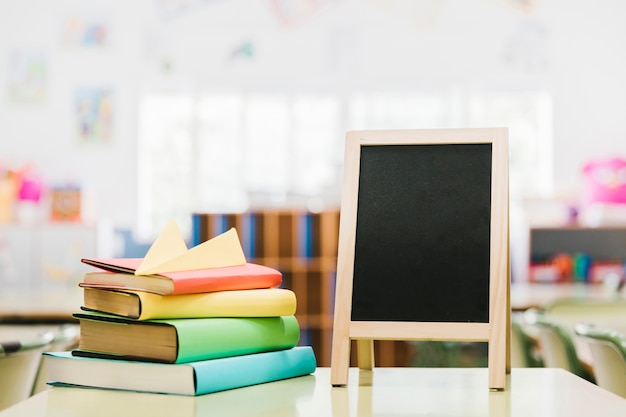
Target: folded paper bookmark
{"x": 169, "y": 252}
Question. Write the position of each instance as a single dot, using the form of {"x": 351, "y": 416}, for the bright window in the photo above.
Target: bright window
{"x": 217, "y": 152}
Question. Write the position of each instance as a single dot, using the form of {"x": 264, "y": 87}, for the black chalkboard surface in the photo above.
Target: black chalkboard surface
{"x": 423, "y": 220}
{"x": 423, "y": 243}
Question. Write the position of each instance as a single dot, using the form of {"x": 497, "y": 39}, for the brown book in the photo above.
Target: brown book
{"x": 183, "y": 340}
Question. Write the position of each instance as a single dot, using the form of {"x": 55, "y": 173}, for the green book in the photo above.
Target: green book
{"x": 183, "y": 340}
{"x": 193, "y": 378}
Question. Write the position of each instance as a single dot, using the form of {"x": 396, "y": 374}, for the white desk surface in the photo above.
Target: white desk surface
{"x": 531, "y": 392}
{"x": 54, "y": 304}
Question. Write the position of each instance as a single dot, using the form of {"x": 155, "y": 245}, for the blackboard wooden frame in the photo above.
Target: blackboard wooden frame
{"x": 490, "y": 156}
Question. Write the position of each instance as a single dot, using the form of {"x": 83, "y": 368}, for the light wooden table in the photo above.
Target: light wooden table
{"x": 449, "y": 392}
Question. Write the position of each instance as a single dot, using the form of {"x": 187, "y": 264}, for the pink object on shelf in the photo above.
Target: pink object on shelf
{"x": 30, "y": 188}
{"x": 605, "y": 181}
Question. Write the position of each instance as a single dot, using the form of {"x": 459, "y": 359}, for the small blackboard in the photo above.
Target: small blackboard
{"x": 423, "y": 244}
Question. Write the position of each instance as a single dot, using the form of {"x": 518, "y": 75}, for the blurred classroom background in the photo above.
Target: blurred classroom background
{"x": 116, "y": 117}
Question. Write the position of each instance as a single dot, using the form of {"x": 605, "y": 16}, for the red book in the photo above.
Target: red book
{"x": 119, "y": 273}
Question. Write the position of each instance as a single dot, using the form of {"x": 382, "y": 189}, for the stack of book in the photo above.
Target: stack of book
{"x": 185, "y": 330}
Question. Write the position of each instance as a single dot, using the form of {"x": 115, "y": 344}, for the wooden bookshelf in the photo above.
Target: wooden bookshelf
{"x": 303, "y": 246}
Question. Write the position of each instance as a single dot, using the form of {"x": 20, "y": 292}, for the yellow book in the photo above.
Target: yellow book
{"x": 140, "y": 305}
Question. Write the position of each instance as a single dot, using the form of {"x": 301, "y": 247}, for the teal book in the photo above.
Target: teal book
{"x": 193, "y": 378}
{"x": 182, "y": 340}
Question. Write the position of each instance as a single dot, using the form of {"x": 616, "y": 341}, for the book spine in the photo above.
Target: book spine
{"x": 242, "y": 371}
{"x": 268, "y": 302}
{"x": 286, "y": 234}
{"x": 260, "y": 249}
{"x": 226, "y": 337}
{"x": 252, "y": 234}
{"x": 198, "y": 228}
{"x": 315, "y": 235}
{"x": 217, "y": 221}
{"x": 248, "y": 232}
{"x": 195, "y": 228}
{"x": 304, "y": 233}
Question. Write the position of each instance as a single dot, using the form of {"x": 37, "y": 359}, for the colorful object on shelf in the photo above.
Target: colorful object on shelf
{"x": 65, "y": 204}
{"x": 605, "y": 181}
{"x": 599, "y": 271}
{"x": 564, "y": 264}
{"x": 556, "y": 268}
{"x": 20, "y": 194}
{"x": 31, "y": 187}
{"x": 582, "y": 266}
{"x": 7, "y": 196}
{"x": 543, "y": 273}
{"x": 579, "y": 267}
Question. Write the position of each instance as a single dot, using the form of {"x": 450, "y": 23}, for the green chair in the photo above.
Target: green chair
{"x": 19, "y": 363}
{"x": 608, "y": 350}
{"x": 556, "y": 345}
{"x": 523, "y": 346}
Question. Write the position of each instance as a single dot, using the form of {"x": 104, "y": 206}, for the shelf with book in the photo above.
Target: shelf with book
{"x": 303, "y": 246}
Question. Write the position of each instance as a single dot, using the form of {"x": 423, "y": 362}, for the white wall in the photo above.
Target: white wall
{"x": 588, "y": 80}
{"x": 43, "y": 134}
{"x": 570, "y": 48}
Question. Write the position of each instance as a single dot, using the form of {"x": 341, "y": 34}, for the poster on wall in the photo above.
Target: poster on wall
{"x": 85, "y": 31}
{"x": 527, "y": 7}
{"x": 170, "y": 9}
{"x": 293, "y": 12}
{"x": 26, "y": 76}
{"x": 94, "y": 114}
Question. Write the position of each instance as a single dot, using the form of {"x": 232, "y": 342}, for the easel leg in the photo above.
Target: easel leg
{"x": 508, "y": 303}
{"x": 497, "y": 366}
{"x": 340, "y": 361}
{"x": 365, "y": 353}
{"x": 499, "y": 360}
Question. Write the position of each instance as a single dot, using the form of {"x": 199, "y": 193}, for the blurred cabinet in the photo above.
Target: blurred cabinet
{"x": 602, "y": 243}
{"x": 303, "y": 246}
{"x": 45, "y": 256}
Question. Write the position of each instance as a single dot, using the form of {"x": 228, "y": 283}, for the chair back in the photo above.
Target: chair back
{"x": 557, "y": 346}
{"x": 523, "y": 347}
{"x": 608, "y": 350}
{"x": 19, "y": 363}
